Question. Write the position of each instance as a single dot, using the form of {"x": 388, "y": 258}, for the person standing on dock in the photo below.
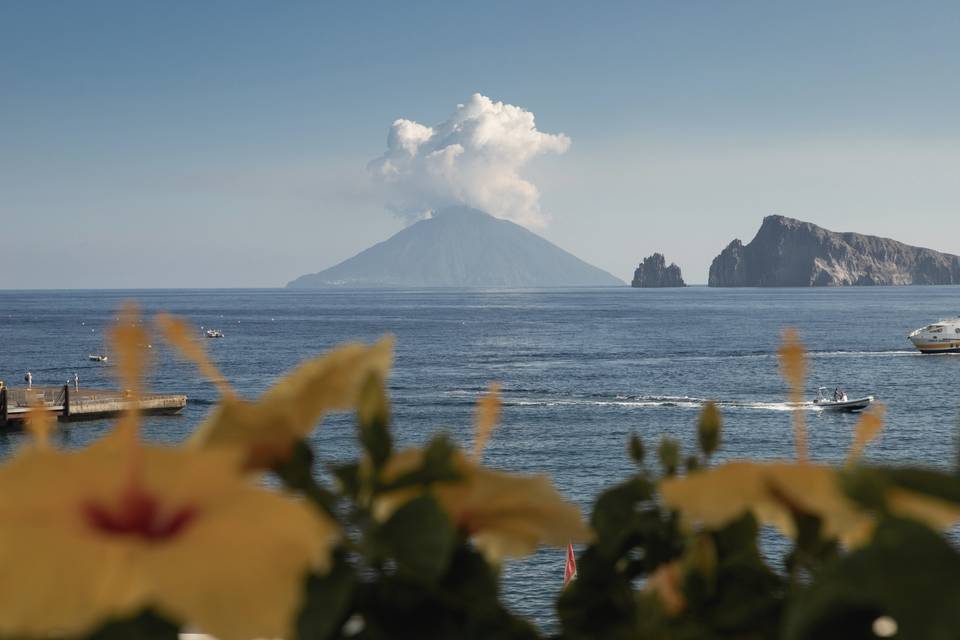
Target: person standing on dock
{"x": 76, "y": 382}
{"x": 29, "y": 380}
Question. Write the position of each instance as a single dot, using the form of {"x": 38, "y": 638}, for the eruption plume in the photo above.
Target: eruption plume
{"x": 472, "y": 159}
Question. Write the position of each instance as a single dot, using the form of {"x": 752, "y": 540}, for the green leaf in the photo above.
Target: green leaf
{"x": 811, "y": 550}
{"x": 744, "y": 598}
{"x": 462, "y": 605}
{"x": 869, "y": 485}
{"x": 146, "y": 625}
{"x": 636, "y": 448}
{"x": 327, "y": 601}
{"x": 907, "y": 572}
{"x": 438, "y": 456}
{"x": 600, "y": 603}
{"x": 865, "y": 486}
{"x": 936, "y": 484}
{"x": 615, "y": 511}
{"x": 373, "y": 417}
{"x": 348, "y": 476}
{"x": 669, "y": 453}
{"x": 296, "y": 472}
{"x": 420, "y": 538}
{"x": 437, "y": 466}
{"x": 708, "y": 429}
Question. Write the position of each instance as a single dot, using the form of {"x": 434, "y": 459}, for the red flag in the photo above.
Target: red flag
{"x": 570, "y": 570}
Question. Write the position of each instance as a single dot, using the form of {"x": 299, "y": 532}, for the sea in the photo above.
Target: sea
{"x": 580, "y": 369}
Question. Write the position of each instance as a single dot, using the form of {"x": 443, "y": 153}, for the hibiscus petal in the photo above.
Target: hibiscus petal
{"x": 291, "y": 408}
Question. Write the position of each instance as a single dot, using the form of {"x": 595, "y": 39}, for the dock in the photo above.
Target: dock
{"x": 69, "y": 404}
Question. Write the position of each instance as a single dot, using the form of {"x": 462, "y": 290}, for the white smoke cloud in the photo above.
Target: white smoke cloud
{"x": 472, "y": 159}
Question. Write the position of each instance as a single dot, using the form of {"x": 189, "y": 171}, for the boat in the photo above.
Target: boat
{"x": 214, "y": 333}
{"x": 842, "y": 404}
{"x": 97, "y": 357}
{"x": 939, "y": 337}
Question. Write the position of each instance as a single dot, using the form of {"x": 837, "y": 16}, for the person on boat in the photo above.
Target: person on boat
{"x": 836, "y": 394}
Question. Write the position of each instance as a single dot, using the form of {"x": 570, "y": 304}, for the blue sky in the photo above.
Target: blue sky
{"x": 181, "y": 144}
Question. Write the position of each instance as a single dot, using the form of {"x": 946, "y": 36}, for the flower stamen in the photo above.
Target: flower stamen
{"x": 139, "y": 514}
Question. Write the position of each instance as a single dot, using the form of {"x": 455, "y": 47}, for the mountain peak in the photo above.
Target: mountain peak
{"x": 459, "y": 211}
{"x": 461, "y": 247}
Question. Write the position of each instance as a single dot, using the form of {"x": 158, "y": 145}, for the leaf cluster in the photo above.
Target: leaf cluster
{"x": 649, "y": 571}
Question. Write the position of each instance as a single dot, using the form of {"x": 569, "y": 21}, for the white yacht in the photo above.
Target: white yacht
{"x": 214, "y": 333}
{"x": 939, "y": 337}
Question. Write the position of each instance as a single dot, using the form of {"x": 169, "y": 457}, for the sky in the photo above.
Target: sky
{"x": 231, "y": 144}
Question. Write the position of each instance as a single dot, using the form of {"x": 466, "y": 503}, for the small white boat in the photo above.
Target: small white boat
{"x": 97, "y": 357}
{"x": 841, "y": 403}
{"x": 214, "y": 333}
{"x": 939, "y": 337}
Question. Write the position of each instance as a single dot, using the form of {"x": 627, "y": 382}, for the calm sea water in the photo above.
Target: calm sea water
{"x": 581, "y": 369}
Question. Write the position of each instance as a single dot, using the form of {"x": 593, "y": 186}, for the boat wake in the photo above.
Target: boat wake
{"x": 879, "y": 354}
{"x": 654, "y": 402}
{"x": 553, "y": 398}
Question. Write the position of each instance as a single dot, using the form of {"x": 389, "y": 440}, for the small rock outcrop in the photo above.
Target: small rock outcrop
{"x": 792, "y": 253}
{"x": 654, "y": 272}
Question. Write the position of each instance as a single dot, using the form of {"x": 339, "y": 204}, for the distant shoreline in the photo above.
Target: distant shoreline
{"x": 301, "y": 291}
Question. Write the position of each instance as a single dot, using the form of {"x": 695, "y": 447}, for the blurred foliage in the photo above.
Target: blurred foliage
{"x": 422, "y": 534}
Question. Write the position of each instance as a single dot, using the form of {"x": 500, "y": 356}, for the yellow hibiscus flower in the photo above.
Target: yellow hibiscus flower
{"x": 289, "y": 410}
{"x": 84, "y": 538}
{"x": 107, "y": 531}
{"x": 772, "y": 491}
{"x": 505, "y": 515}
{"x": 715, "y": 497}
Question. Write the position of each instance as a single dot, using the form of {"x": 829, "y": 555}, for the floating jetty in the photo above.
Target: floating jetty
{"x": 68, "y": 404}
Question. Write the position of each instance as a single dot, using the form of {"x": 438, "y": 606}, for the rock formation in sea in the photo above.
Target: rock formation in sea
{"x": 792, "y": 253}
{"x": 654, "y": 272}
{"x": 461, "y": 247}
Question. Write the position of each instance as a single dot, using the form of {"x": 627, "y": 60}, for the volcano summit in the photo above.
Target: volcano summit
{"x": 461, "y": 247}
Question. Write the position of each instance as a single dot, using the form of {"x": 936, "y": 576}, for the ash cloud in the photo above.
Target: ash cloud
{"x": 474, "y": 158}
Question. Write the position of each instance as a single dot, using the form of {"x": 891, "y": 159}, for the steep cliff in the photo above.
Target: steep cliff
{"x": 792, "y": 253}
{"x": 654, "y": 272}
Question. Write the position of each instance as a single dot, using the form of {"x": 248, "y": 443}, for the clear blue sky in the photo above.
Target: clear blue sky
{"x": 180, "y": 144}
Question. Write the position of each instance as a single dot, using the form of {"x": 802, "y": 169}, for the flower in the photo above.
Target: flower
{"x": 793, "y": 366}
{"x": 666, "y": 583}
{"x": 86, "y": 537}
{"x": 868, "y": 427}
{"x": 486, "y": 418}
{"x": 771, "y": 491}
{"x": 289, "y": 410}
{"x": 775, "y": 491}
{"x": 505, "y": 515}
{"x": 108, "y": 531}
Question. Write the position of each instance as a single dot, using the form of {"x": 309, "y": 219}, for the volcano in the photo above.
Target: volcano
{"x": 461, "y": 247}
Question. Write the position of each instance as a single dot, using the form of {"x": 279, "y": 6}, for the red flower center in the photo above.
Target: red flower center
{"x": 139, "y": 514}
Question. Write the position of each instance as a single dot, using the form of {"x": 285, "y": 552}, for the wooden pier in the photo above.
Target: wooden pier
{"x": 69, "y": 404}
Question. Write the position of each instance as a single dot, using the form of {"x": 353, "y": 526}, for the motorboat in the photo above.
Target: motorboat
{"x": 841, "y": 402}
{"x": 939, "y": 337}
{"x": 97, "y": 357}
{"x": 214, "y": 333}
